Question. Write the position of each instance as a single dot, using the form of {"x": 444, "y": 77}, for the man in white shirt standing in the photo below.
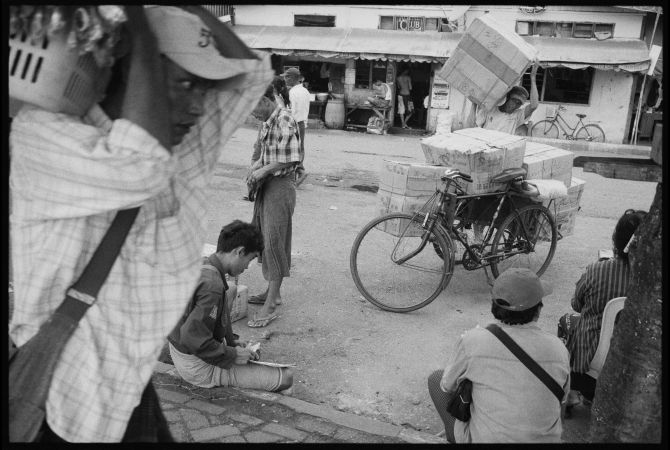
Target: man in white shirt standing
{"x": 299, "y": 98}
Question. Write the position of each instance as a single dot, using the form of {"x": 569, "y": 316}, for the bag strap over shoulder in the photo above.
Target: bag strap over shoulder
{"x": 84, "y": 292}
{"x": 527, "y": 361}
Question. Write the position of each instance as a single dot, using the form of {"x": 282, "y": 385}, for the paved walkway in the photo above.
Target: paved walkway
{"x": 248, "y": 416}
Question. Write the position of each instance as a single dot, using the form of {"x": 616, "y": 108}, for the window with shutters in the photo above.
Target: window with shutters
{"x": 565, "y": 29}
{"x": 562, "y": 85}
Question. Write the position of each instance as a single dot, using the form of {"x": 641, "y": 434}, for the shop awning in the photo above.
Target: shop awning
{"x": 631, "y": 55}
{"x": 427, "y": 46}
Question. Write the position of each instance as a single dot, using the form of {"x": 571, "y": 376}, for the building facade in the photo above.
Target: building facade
{"x": 592, "y": 57}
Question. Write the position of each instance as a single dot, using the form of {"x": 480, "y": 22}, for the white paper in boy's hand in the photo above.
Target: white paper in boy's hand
{"x": 271, "y": 364}
{"x": 254, "y": 347}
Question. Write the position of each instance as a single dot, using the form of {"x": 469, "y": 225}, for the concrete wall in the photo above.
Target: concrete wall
{"x": 609, "y": 105}
{"x": 627, "y": 24}
{"x": 346, "y": 16}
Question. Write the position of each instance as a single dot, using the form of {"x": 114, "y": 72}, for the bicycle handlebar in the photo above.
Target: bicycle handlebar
{"x": 454, "y": 174}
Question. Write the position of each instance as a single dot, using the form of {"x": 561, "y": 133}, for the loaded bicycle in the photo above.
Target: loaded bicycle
{"x": 401, "y": 262}
{"x": 548, "y": 128}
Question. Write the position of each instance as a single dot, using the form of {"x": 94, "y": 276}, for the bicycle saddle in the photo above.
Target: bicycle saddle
{"x": 509, "y": 174}
{"x": 581, "y": 116}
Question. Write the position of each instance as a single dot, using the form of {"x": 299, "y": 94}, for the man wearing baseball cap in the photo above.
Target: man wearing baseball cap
{"x": 511, "y": 404}
{"x": 181, "y": 86}
{"x": 299, "y": 98}
{"x": 510, "y": 115}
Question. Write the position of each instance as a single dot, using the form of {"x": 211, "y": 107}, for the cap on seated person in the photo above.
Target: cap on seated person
{"x": 521, "y": 289}
{"x": 188, "y": 42}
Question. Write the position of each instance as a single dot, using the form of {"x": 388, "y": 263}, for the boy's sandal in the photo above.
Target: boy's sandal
{"x": 259, "y": 322}
{"x": 260, "y": 300}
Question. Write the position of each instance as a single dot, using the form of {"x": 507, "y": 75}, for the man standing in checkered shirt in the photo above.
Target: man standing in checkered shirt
{"x": 178, "y": 92}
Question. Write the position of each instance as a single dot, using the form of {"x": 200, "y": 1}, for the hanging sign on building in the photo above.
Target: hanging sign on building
{"x": 349, "y": 76}
{"x": 407, "y": 23}
{"x": 390, "y": 75}
{"x": 440, "y": 95}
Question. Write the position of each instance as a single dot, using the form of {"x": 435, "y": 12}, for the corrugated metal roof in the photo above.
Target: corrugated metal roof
{"x": 357, "y": 42}
{"x": 627, "y": 54}
{"x": 573, "y": 50}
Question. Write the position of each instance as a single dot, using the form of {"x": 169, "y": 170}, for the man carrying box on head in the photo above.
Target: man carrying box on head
{"x": 510, "y": 115}
{"x": 178, "y": 92}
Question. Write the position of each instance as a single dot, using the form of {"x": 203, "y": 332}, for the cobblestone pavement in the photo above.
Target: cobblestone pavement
{"x": 247, "y": 416}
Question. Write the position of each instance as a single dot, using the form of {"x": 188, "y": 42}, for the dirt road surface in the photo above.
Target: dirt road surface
{"x": 349, "y": 353}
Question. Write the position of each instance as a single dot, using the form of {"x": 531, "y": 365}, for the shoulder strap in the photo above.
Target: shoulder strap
{"x": 527, "y": 361}
{"x": 83, "y": 293}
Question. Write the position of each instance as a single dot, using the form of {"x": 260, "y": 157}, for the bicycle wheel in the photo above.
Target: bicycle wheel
{"x": 545, "y": 129}
{"x": 381, "y": 273}
{"x": 526, "y": 239}
{"x": 590, "y": 132}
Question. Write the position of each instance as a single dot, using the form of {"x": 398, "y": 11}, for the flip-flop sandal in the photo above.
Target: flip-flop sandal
{"x": 259, "y": 322}
{"x": 259, "y": 300}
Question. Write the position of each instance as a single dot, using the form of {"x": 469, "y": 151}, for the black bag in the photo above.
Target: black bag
{"x": 459, "y": 405}
{"x": 32, "y": 365}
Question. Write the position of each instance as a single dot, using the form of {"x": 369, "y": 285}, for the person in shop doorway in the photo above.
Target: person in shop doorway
{"x": 324, "y": 76}
{"x": 299, "y": 99}
{"x": 382, "y": 96}
{"x": 510, "y": 115}
{"x": 405, "y": 104}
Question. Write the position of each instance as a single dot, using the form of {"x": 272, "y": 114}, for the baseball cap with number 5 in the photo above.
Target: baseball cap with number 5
{"x": 188, "y": 42}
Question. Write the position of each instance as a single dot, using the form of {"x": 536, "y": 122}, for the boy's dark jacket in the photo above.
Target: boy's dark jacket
{"x": 205, "y": 328}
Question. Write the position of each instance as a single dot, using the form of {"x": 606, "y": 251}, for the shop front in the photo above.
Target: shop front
{"x": 342, "y": 64}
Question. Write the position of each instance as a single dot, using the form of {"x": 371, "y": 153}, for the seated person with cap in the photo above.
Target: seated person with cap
{"x": 509, "y": 402}
{"x": 510, "y": 115}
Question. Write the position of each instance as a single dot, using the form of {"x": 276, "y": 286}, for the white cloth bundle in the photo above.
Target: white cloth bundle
{"x": 549, "y": 189}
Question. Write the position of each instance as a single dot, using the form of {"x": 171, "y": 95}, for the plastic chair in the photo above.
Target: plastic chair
{"x": 606, "y": 329}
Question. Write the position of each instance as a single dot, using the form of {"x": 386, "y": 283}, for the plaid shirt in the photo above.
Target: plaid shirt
{"x": 601, "y": 282}
{"x": 69, "y": 176}
{"x": 279, "y": 141}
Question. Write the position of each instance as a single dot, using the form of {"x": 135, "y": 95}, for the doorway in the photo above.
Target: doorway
{"x": 420, "y": 75}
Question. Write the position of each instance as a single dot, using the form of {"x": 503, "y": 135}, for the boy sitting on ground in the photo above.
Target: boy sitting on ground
{"x": 203, "y": 347}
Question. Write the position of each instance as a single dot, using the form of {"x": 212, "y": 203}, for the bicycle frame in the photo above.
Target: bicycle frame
{"x": 565, "y": 122}
{"x": 444, "y": 217}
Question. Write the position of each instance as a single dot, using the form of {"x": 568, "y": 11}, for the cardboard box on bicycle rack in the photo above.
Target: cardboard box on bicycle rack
{"x": 545, "y": 162}
{"x": 571, "y": 201}
{"x": 480, "y": 153}
{"x": 413, "y": 179}
{"x": 488, "y": 60}
{"x": 390, "y": 202}
{"x": 565, "y": 221}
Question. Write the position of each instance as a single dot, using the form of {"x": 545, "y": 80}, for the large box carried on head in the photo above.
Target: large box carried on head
{"x": 487, "y": 62}
{"x": 412, "y": 179}
{"x": 544, "y": 162}
{"x": 478, "y": 152}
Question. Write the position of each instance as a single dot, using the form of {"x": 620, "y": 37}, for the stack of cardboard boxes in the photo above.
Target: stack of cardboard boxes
{"x": 488, "y": 61}
{"x": 406, "y": 187}
{"x": 482, "y": 154}
{"x": 544, "y": 162}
